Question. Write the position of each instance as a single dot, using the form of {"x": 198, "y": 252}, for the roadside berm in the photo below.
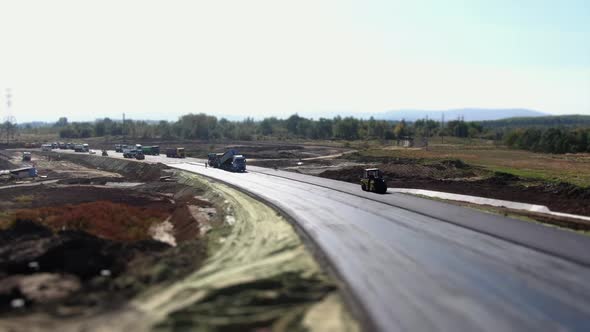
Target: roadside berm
{"x": 185, "y": 254}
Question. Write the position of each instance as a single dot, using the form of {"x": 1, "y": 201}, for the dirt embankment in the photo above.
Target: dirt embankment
{"x": 260, "y": 277}
{"x": 5, "y": 161}
{"x": 132, "y": 171}
{"x": 455, "y": 176}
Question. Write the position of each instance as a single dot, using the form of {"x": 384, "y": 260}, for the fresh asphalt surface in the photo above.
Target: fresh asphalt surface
{"x": 421, "y": 265}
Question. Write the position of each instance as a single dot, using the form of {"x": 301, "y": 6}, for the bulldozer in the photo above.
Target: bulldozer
{"x": 372, "y": 180}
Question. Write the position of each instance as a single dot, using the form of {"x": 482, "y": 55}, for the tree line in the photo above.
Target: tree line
{"x": 550, "y": 140}
{"x": 205, "y": 127}
{"x": 573, "y": 121}
{"x": 537, "y": 134}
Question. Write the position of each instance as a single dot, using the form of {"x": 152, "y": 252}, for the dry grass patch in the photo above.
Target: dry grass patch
{"x": 571, "y": 168}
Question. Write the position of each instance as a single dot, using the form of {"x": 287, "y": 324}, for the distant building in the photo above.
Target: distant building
{"x": 406, "y": 142}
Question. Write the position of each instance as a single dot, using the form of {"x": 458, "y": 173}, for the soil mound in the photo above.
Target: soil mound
{"x": 131, "y": 170}
{"x": 34, "y": 259}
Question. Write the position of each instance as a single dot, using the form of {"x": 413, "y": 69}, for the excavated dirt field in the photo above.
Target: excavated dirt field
{"x": 84, "y": 244}
{"x": 251, "y": 149}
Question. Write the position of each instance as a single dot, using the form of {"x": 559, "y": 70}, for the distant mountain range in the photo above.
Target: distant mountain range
{"x": 468, "y": 114}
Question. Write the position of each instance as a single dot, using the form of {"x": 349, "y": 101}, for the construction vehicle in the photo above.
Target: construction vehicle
{"x": 175, "y": 153}
{"x": 20, "y": 173}
{"x": 26, "y": 156}
{"x": 373, "y": 181}
{"x": 151, "y": 150}
{"x": 230, "y": 161}
{"x": 212, "y": 158}
{"x": 129, "y": 153}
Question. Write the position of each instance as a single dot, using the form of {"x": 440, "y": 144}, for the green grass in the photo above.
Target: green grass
{"x": 569, "y": 168}
{"x": 540, "y": 175}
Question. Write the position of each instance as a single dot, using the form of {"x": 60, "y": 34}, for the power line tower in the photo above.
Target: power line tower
{"x": 9, "y": 125}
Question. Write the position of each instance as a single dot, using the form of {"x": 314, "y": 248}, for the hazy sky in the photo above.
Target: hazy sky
{"x": 161, "y": 59}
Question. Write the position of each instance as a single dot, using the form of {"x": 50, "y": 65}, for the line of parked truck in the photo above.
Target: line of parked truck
{"x": 138, "y": 151}
{"x": 77, "y": 147}
{"x": 229, "y": 160}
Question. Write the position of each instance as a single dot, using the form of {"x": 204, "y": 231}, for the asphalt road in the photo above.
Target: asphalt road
{"x": 421, "y": 265}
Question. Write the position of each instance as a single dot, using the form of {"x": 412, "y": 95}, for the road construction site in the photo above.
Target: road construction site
{"x": 100, "y": 243}
{"x": 455, "y": 268}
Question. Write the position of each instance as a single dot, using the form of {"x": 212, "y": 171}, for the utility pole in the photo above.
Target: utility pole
{"x": 442, "y": 128}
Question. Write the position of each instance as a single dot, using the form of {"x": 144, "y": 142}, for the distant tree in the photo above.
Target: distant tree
{"x": 8, "y": 130}
{"x": 164, "y": 130}
{"x": 401, "y": 130}
{"x": 346, "y": 128}
{"x": 324, "y": 128}
{"x": 292, "y": 123}
{"x": 99, "y": 129}
{"x": 266, "y": 126}
{"x": 61, "y": 122}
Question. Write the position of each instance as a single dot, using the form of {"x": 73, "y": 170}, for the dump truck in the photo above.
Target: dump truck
{"x": 231, "y": 160}
{"x": 20, "y": 173}
{"x": 212, "y": 158}
{"x": 151, "y": 150}
{"x": 372, "y": 180}
{"x": 175, "y": 153}
{"x": 121, "y": 147}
